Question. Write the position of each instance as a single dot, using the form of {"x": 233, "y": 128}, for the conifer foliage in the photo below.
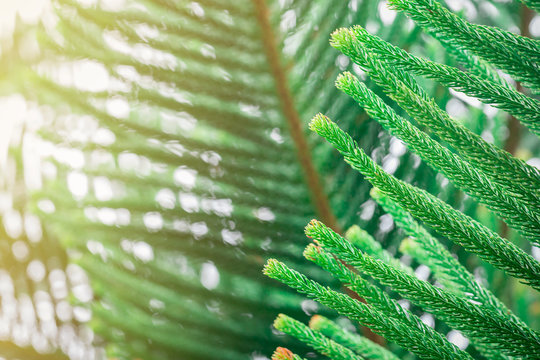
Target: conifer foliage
{"x": 178, "y": 157}
{"x": 457, "y": 298}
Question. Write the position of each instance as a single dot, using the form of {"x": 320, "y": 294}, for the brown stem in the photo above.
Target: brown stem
{"x": 317, "y": 193}
{"x": 514, "y": 126}
{"x": 318, "y": 196}
{"x": 514, "y": 130}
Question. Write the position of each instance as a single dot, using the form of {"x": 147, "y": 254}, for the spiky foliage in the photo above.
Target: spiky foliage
{"x": 313, "y": 338}
{"x": 196, "y": 166}
{"x": 457, "y": 299}
{"x": 357, "y": 343}
{"x": 449, "y": 222}
{"x": 512, "y": 53}
{"x": 185, "y": 162}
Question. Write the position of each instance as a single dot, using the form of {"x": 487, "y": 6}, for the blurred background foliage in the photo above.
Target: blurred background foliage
{"x": 155, "y": 153}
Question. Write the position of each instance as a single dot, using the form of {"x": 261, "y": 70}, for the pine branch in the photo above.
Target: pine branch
{"x": 317, "y": 192}
{"x": 379, "y": 300}
{"x": 506, "y": 98}
{"x": 471, "y": 62}
{"x": 365, "y": 242}
{"x": 466, "y": 177}
{"x": 447, "y": 269}
{"x": 285, "y": 354}
{"x": 314, "y": 339}
{"x": 449, "y": 222}
{"x": 355, "y": 342}
{"x": 514, "y": 54}
{"x": 355, "y": 310}
{"x": 499, "y": 165}
{"x": 429, "y": 251}
{"x": 480, "y": 324}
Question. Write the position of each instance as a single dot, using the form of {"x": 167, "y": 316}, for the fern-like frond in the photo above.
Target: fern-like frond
{"x": 481, "y": 325}
{"x": 207, "y": 157}
{"x": 500, "y": 166}
{"x": 391, "y": 329}
{"x": 355, "y": 342}
{"x": 313, "y": 338}
{"x": 449, "y": 222}
{"x": 507, "y": 98}
{"x": 519, "y": 216}
{"x": 514, "y": 54}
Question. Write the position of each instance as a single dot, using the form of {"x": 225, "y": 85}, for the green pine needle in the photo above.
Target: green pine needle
{"x": 514, "y": 54}
{"x": 482, "y": 325}
{"x": 449, "y": 222}
{"x": 465, "y": 176}
{"x": 377, "y": 298}
{"x": 314, "y": 339}
{"x": 359, "y": 344}
{"x": 429, "y": 251}
{"x": 506, "y": 98}
{"x": 370, "y": 246}
{"x": 391, "y": 329}
{"x": 517, "y": 177}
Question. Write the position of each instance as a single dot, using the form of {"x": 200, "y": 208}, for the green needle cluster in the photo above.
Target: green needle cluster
{"x": 314, "y": 338}
{"x": 515, "y": 176}
{"x": 512, "y": 53}
{"x": 464, "y": 175}
{"x": 507, "y": 98}
{"x": 447, "y": 221}
{"x": 359, "y": 344}
{"x": 169, "y": 178}
{"x": 390, "y": 328}
{"x": 480, "y": 324}
{"x": 380, "y": 291}
{"x": 429, "y": 251}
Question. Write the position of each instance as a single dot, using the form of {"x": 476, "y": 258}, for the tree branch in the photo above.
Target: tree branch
{"x": 317, "y": 193}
